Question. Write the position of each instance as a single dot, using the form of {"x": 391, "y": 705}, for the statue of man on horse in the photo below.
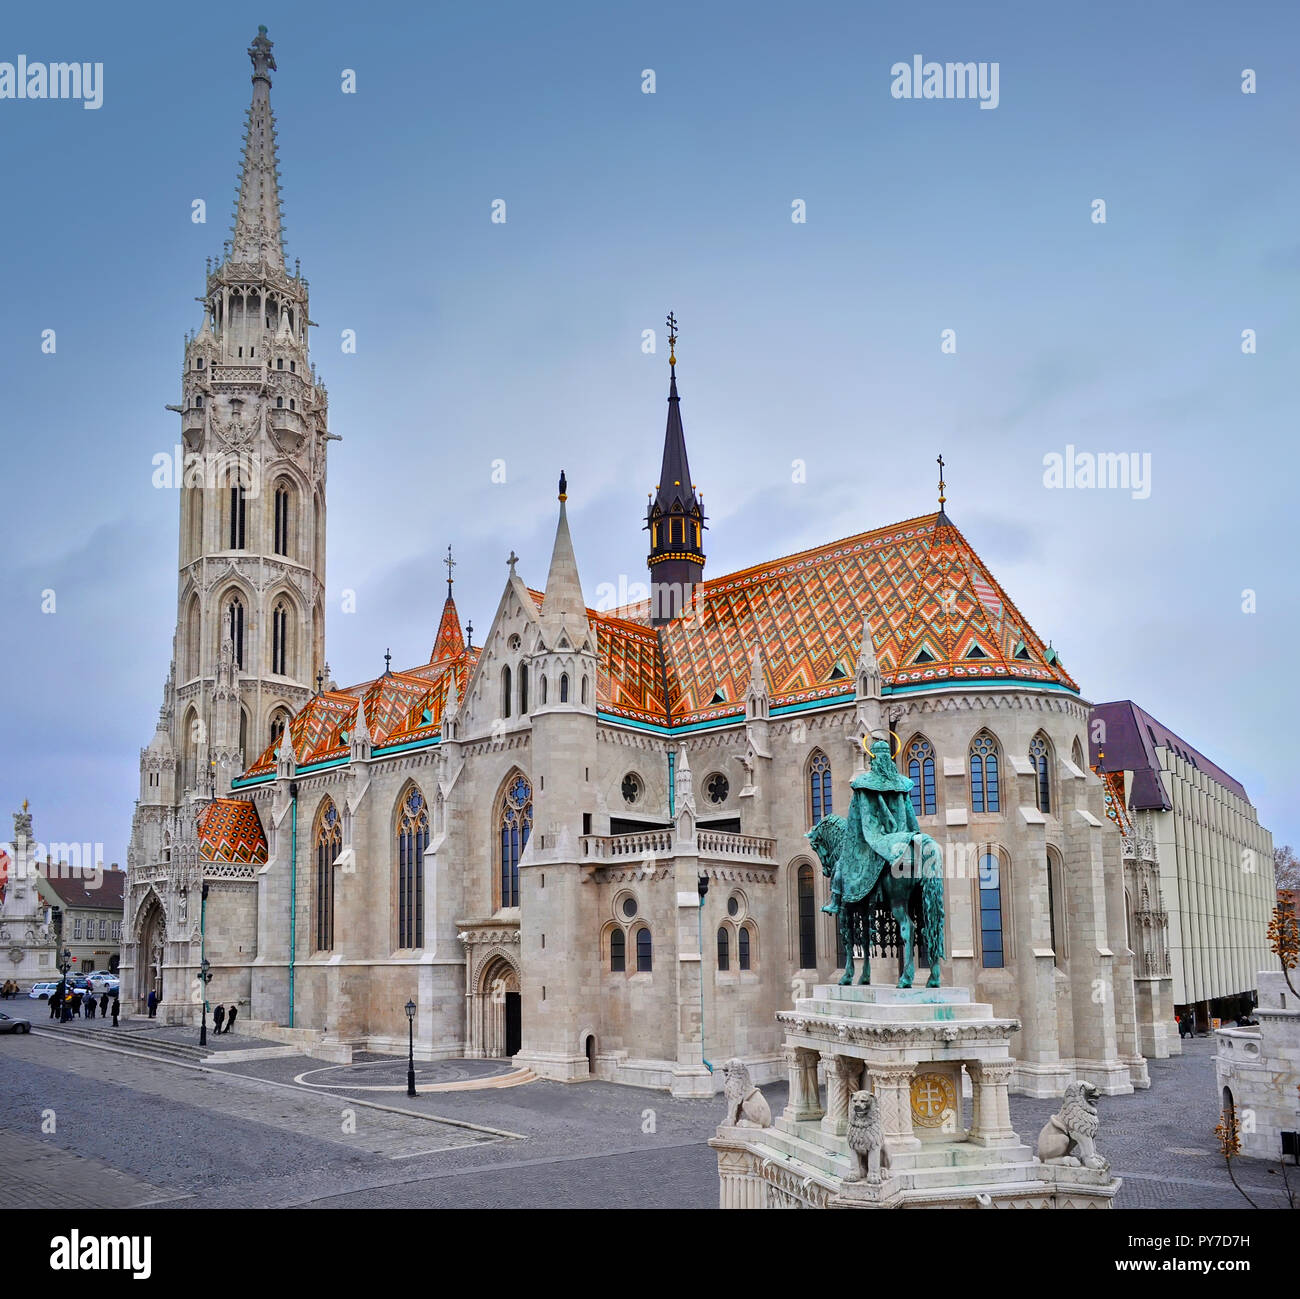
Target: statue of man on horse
{"x": 878, "y": 861}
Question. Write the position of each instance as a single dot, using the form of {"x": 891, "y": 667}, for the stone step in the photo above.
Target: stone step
{"x": 928, "y": 1179}
{"x": 145, "y": 1042}
{"x": 783, "y": 1142}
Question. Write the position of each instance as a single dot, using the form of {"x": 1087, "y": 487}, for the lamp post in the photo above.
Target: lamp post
{"x": 410, "y": 1056}
{"x": 702, "y": 883}
{"x": 205, "y": 973}
{"x": 205, "y": 976}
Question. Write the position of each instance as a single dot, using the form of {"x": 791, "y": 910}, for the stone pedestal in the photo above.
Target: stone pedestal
{"x": 913, "y": 1048}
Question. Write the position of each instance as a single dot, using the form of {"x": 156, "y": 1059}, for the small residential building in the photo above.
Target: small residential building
{"x": 91, "y": 903}
{"x": 1215, "y": 860}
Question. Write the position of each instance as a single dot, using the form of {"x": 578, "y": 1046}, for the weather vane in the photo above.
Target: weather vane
{"x": 942, "y": 497}
{"x": 672, "y": 339}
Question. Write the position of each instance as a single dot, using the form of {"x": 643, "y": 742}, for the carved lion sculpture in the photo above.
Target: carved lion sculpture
{"x": 866, "y": 1138}
{"x": 746, "y": 1107}
{"x": 1073, "y": 1128}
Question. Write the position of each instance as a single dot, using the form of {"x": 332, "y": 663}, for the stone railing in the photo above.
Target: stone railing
{"x": 619, "y": 847}
{"x": 240, "y": 374}
{"x": 748, "y": 847}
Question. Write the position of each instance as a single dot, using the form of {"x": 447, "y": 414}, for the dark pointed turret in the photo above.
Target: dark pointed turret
{"x": 675, "y": 516}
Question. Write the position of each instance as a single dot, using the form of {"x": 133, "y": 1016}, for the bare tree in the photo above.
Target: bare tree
{"x": 1286, "y": 866}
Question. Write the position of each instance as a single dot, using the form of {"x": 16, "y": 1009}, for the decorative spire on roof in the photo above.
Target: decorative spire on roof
{"x": 257, "y": 234}
{"x": 942, "y": 519}
{"x": 675, "y": 514}
{"x": 388, "y": 663}
{"x": 449, "y": 641}
{"x": 563, "y": 608}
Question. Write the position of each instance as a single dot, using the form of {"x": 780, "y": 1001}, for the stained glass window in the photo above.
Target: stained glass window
{"x": 920, "y": 767}
{"x": 1039, "y": 757}
{"x": 807, "y": 920}
{"x": 412, "y": 840}
{"x": 819, "y": 785}
{"x": 329, "y": 843}
{"x": 990, "y": 877}
{"x": 516, "y": 824}
{"x": 984, "y": 774}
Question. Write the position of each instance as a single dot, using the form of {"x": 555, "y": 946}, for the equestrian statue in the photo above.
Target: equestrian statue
{"x": 879, "y": 861}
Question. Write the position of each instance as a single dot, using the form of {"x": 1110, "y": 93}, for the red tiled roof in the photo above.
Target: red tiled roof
{"x": 76, "y": 891}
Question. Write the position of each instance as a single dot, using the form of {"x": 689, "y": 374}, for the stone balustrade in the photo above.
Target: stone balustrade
{"x": 710, "y": 844}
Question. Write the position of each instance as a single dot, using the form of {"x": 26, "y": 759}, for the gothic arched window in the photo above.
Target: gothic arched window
{"x": 920, "y": 767}
{"x": 238, "y": 516}
{"x": 617, "y": 951}
{"x": 984, "y": 795}
{"x": 280, "y": 639}
{"x": 505, "y": 691}
{"x": 807, "y": 919}
{"x": 564, "y": 687}
{"x": 281, "y": 538}
{"x": 523, "y": 689}
{"x": 742, "y": 946}
{"x": 644, "y": 954}
{"x": 516, "y": 825}
{"x": 819, "y": 786}
{"x": 990, "y": 890}
{"x": 1076, "y": 755}
{"x": 279, "y": 721}
{"x": 724, "y": 949}
{"x": 234, "y": 628}
{"x": 193, "y": 624}
{"x": 329, "y": 843}
{"x": 412, "y": 840}
{"x": 1051, "y": 908}
{"x": 1040, "y": 753}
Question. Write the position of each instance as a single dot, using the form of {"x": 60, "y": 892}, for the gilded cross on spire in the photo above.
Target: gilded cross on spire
{"x": 672, "y": 339}
{"x": 942, "y": 497}
{"x": 451, "y": 563}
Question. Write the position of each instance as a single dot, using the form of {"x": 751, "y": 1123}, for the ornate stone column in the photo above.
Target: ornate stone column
{"x": 892, "y": 1084}
{"x": 843, "y": 1074}
{"x": 804, "y": 1102}
{"x": 991, "y": 1112}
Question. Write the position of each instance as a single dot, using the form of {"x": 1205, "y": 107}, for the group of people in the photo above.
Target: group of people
{"x": 10, "y": 988}
{"x": 68, "y": 1002}
{"x": 219, "y": 1013}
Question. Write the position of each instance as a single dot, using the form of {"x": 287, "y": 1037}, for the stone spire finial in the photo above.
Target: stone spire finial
{"x": 256, "y": 234}
{"x": 562, "y": 603}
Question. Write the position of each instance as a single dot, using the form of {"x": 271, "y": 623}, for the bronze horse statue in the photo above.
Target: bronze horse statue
{"x": 878, "y": 858}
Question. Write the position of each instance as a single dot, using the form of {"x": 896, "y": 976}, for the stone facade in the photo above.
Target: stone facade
{"x": 1258, "y": 1071}
{"x": 27, "y": 939}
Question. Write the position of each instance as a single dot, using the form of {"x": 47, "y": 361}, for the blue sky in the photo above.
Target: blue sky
{"x": 817, "y": 341}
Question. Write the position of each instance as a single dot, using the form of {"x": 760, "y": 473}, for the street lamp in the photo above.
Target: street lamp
{"x": 205, "y": 977}
{"x": 410, "y": 1058}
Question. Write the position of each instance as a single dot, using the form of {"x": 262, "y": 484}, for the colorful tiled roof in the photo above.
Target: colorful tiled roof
{"x": 937, "y": 617}
{"x": 230, "y": 830}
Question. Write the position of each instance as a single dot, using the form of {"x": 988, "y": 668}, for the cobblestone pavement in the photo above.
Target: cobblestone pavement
{"x": 226, "y": 1135}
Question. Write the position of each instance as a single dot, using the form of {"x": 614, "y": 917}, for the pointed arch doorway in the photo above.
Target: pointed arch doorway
{"x": 150, "y": 948}
{"x": 500, "y": 1018}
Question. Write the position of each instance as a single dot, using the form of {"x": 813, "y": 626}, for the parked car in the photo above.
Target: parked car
{"x": 9, "y": 1024}
{"x": 42, "y": 991}
{"x": 102, "y": 983}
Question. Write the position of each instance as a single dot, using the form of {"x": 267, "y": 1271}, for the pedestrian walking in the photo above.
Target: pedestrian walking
{"x": 153, "y": 1003}
{"x": 218, "y": 1014}
{"x": 73, "y": 1006}
{"x": 90, "y": 1004}
{"x": 56, "y": 1003}
{"x": 103, "y": 1006}
{"x": 115, "y": 1008}
{"x": 230, "y": 1018}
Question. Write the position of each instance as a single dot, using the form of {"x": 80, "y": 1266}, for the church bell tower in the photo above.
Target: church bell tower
{"x": 250, "y": 618}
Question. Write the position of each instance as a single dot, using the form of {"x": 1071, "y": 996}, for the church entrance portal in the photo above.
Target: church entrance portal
{"x": 497, "y": 1009}
{"x": 149, "y": 962}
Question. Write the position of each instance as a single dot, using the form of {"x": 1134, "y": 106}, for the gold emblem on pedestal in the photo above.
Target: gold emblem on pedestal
{"x": 933, "y": 1096}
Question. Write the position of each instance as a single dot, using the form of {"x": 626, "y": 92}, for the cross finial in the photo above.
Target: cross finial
{"x": 672, "y": 339}
{"x": 512, "y": 559}
{"x": 451, "y": 563}
{"x": 469, "y": 635}
{"x": 388, "y": 658}
{"x": 942, "y": 497}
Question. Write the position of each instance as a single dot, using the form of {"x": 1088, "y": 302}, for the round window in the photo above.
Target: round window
{"x": 733, "y": 906}
{"x": 717, "y": 787}
{"x": 629, "y": 907}
{"x": 631, "y": 787}
{"x": 514, "y": 642}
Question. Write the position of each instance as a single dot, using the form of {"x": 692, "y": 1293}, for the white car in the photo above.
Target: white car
{"x": 102, "y": 983}
{"x": 42, "y": 991}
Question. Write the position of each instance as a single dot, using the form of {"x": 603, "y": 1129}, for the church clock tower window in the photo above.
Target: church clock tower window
{"x": 235, "y": 628}
{"x": 238, "y": 516}
{"x": 279, "y": 639}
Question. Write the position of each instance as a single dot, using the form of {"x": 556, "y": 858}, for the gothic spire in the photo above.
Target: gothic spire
{"x": 562, "y": 604}
{"x": 675, "y": 490}
{"x": 256, "y": 234}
